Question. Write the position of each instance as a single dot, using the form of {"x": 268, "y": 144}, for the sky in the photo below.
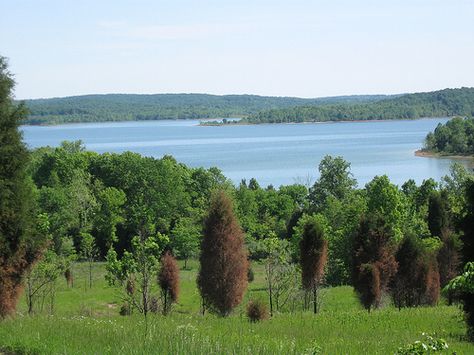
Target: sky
{"x": 278, "y": 48}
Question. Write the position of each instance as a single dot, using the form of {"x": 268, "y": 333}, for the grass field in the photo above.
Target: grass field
{"x": 86, "y": 321}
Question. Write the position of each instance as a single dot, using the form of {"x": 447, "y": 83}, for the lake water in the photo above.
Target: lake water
{"x": 274, "y": 154}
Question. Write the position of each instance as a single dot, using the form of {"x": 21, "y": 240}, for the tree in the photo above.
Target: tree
{"x": 222, "y": 278}
{"x": 417, "y": 279}
{"x": 168, "y": 279}
{"x": 438, "y": 213}
{"x": 464, "y": 283}
{"x": 185, "y": 237}
{"x": 335, "y": 180}
{"x": 137, "y": 268}
{"x": 88, "y": 252}
{"x": 384, "y": 199}
{"x": 279, "y": 271}
{"x": 313, "y": 257}
{"x": 21, "y": 245}
{"x": 110, "y": 214}
{"x": 373, "y": 261}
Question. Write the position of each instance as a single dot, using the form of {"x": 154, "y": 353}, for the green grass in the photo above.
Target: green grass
{"x": 86, "y": 322}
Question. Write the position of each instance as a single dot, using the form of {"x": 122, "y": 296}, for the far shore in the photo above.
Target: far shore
{"x": 214, "y": 122}
{"x": 428, "y": 154}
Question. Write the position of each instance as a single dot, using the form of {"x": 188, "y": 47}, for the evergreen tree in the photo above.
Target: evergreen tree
{"x": 313, "y": 258}
{"x": 374, "y": 262}
{"x": 168, "y": 279}
{"x": 20, "y": 244}
{"x": 468, "y": 255}
{"x": 222, "y": 278}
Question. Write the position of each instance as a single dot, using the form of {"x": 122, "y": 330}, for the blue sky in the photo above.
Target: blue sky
{"x": 283, "y": 48}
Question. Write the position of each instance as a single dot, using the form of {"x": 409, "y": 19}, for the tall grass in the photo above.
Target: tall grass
{"x": 86, "y": 322}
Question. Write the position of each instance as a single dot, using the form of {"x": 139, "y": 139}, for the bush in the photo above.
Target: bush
{"x": 154, "y": 305}
{"x": 250, "y": 275}
{"x": 428, "y": 346}
{"x": 257, "y": 311}
{"x": 125, "y": 310}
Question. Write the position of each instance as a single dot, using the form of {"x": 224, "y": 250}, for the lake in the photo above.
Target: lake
{"x": 272, "y": 153}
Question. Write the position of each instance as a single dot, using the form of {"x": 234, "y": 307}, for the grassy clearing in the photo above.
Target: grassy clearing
{"x": 86, "y": 322}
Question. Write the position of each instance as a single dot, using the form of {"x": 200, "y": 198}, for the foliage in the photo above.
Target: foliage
{"x": 279, "y": 272}
{"x": 428, "y": 345}
{"x": 465, "y": 282}
{"x": 121, "y": 107}
{"x": 335, "y": 181}
{"x": 222, "y": 278}
{"x": 442, "y": 103}
{"x": 135, "y": 271}
{"x": 454, "y": 137}
{"x": 185, "y": 238}
{"x": 21, "y": 240}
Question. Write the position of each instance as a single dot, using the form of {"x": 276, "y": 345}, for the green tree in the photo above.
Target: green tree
{"x": 185, "y": 239}
{"x": 88, "y": 252}
{"x": 279, "y": 271}
{"x": 20, "y": 243}
{"x": 110, "y": 214}
{"x": 139, "y": 267}
{"x": 335, "y": 180}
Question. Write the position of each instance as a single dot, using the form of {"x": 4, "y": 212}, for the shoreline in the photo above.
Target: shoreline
{"x": 427, "y": 154}
{"x": 318, "y": 122}
{"x": 230, "y": 124}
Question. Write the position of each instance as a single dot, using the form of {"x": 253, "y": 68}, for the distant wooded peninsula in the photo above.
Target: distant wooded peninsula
{"x": 252, "y": 109}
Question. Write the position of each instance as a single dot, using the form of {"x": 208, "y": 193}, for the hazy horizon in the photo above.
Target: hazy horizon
{"x": 306, "y": 49}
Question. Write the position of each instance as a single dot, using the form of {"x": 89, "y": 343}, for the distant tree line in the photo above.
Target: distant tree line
{"x": 454, "y": 137}
{"x": 443, "y": 103}
{"x": 129, "y": 107}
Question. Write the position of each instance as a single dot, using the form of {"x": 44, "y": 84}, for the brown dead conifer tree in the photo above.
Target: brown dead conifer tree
{"x": 313, "y": 258}
{"x": 168, "y": 279}
{"x": 222, "y": 278}
{"x": 372, "y": 250}
{"x": 20, "y": 243}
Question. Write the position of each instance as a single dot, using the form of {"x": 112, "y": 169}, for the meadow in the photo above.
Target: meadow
{"x": 87, "y": 321}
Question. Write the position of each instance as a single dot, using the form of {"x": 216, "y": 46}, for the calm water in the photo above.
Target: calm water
{"x": 273, "y": 154}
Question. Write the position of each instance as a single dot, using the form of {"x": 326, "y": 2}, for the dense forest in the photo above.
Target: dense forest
{"x": 443, "y": 103}
{"x": 127, "y": 107}
{"x": 111, "y": 197}
{"x": 456, "y": 137}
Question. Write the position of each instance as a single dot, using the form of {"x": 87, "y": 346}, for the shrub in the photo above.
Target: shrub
{"x": 250, "y": 275}
{"x": 257, "y": 311}
{"x": 125, "y": 310}
{"x": 428, "y": 345}
{"x": 154, "y": 305}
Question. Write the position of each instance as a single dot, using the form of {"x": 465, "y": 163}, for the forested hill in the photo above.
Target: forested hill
{"x": 443, "y": 103}
{"x": 128, "y": 107}
{"x": 456, "y": 137}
